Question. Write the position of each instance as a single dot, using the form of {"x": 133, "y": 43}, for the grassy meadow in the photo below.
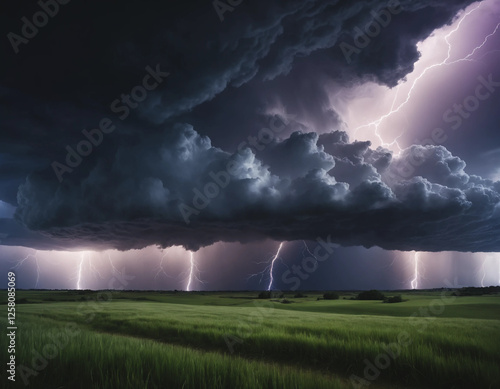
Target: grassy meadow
{"x": 84, "y": 339}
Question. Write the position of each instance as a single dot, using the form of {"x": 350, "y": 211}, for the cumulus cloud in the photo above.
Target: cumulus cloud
{"x": 315, "y": 186}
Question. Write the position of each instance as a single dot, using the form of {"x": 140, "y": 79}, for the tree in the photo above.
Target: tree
{"x": 331, "y": 296}
{"x": 371, "y": 295}
{"x": 394, "y": 299}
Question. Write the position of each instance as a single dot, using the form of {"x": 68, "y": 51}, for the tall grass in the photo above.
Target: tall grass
{"x": 95, "y": 360}
{"x": 449, "y": 353}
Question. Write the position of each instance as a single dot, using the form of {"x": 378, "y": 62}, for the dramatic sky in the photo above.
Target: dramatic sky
{"x": 319, "y": 144}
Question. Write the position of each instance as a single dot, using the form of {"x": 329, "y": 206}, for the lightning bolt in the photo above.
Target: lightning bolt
{"x": 271, "y": 269}
{"x": 392, "y": 262}
{"x": 376, "y": 124}
{"x": 268, "y": 270}
{"x": 79, "y": 274}
{"x": 483, "y": 268}
{"x": 306, "y": 249}
{"x": 35, "y": 257}
{"x": 84, "y": 257}
{"x": 160, "y": 269}
{"x": 414, "y": 282}
{"x": 94, "y": 269}
{"x": 113, "y": 268}
{"x": 470, "y": 55}
{"x": 191, "y": 269}
{"x": 309, "y": 251}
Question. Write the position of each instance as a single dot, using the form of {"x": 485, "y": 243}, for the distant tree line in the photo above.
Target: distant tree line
{"x": 473, "y": 291}
{"x": 267, "y": 294}
{"x": 365, "y": 295}
{"x": 331, "y": 296}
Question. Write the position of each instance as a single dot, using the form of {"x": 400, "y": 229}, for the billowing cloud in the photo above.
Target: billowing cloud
{"x": 49, "y": 104}
{"x": 156, "y": 182}
{"x": 270, "y": 41}
{"x": 177, "y": 189}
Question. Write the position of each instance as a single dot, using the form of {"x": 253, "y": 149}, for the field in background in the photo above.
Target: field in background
{"x": 234, "y": 340}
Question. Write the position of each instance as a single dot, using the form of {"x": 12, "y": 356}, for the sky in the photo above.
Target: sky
{"x": 289, "y": 145}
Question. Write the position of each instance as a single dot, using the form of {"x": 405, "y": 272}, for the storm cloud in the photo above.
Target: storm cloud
{"x": 177, "y": 189}
{"x": 147, "y": 183}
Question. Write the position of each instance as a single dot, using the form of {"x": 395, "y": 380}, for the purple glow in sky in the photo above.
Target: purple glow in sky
{"x": 399, "y": 117}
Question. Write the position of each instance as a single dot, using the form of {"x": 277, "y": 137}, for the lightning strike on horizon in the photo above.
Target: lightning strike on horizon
{"x": 483, "y": 268}
{"x": 35, "y": 256}
{"x": 192, "y": 265}
{"x": 266, "y": 270}
{"x": 393, "y": 110}
{"x": 85, "y": 256}
{"x": 193, "y": 271}
{"x": 80, "y": 271}
{"x": 273, "y": 260}
{"x": 414, "y": 282}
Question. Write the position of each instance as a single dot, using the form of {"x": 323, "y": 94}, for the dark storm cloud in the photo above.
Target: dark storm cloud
{"x": 13, "y": 233}
{"x": 149, "y": 191}
{"x": 267, "y": 42}
{"x": 127, "y": 194}
{"x": 91, "y": 51}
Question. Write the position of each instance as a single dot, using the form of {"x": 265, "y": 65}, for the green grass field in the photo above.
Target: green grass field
{"x": 233, "y": 340}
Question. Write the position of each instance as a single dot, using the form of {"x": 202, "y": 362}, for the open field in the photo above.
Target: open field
{"x": 233, "y": 340}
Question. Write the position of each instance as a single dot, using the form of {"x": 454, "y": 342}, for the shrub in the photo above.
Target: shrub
{"x": 371, "y": 295}
{"x": 331, "y": 296}
{"x": 299, "y": 295}
{"x": 265, "y": 294}
{"x": 393, "y": 299}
